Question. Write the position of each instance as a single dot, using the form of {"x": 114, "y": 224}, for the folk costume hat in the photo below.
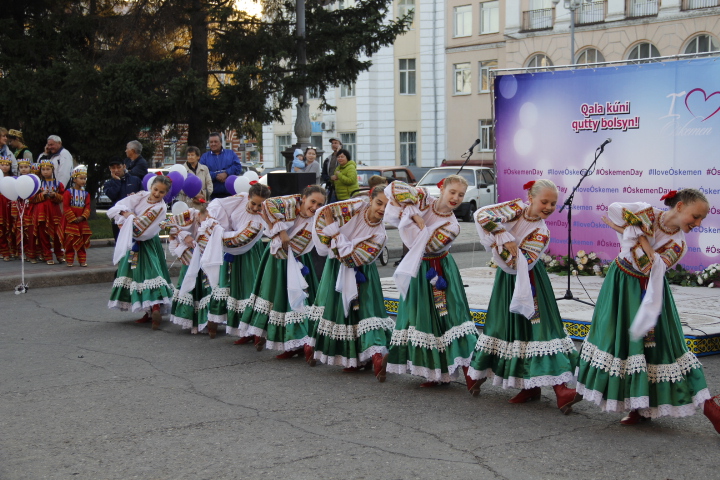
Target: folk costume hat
{"x": 79, "y": 171}
{"x": 5, "y": 161}
{"x": 24, "y": 162}
{"x": 16, "y": 134}
{"x": 46, "y": 162}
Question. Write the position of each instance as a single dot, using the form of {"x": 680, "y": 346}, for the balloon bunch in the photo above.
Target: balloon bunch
{"x": 241, "y": 184}
{"x": 23, "y": 187}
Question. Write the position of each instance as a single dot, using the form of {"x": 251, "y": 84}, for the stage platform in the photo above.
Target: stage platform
{"x": 699, "y": 307}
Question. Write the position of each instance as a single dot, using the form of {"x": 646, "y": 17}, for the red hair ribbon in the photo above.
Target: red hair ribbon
{"x": 158, "y": 173}
{"x": 441, "y": 183}
{"x": 253, "y": 182}
{"x": 201, "y": 200}
{"x": 529, "y": 185}
{"x": 669, "y": 194}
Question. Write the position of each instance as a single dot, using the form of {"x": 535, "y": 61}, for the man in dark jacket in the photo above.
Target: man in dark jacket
{"x": 136, "y": 165}
{"x": 120, "y": 185}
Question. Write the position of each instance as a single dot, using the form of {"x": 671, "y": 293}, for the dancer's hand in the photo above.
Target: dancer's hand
{"x": 328, "y": 217}
{"x": 512, "y": 248}
{"x": 612, "y": 225}
{"x": 647, "y": 248}
{"x": 418, "y": 221}
{"x": 189, "y": 241}
{"x": 285, "y": 239}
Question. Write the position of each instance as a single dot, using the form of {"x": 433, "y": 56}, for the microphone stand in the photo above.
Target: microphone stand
{"x": 568, "y": 203}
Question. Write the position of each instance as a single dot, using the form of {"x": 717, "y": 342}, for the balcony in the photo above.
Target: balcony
{"x": 541, "y": 19}
{"x": 642, "y": 8}
{"x": 590, "y": 12}
{"x": 697, "y": 4}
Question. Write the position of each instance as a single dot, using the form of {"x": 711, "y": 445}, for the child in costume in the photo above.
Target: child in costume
{"x": 277, "y": 312}
{"x": 47, "y": 213}
{"x": 143, "y": 281}
{"x": 434, "y": 333}
{"x": 25, "y": 233}
{"x": 75, "y": 229}
{"x": 8, "y": 249}
{"x": 350, "y": 326}
{"x": 239, "y": 249}
{"x": 635, "y": 357}
{"x": 524, "y": 343}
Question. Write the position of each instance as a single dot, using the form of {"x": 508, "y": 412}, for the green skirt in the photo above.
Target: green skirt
{"x": 353, "y": 340}
{"x": 191, "y": 309}
{"x": 138, "y": 289}
{"x": 516, "y": 352}
{"x": 268, "y": 314}
{"x": 232, "y": 295}
{"x": 434, "y": 333}
{"x": 655, "y": 375}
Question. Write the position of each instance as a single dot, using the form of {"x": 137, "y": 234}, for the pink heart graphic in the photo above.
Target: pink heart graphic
{"x": 706, "y": 98}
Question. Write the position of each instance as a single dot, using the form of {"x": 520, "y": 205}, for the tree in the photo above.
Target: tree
{"x": 96, "y": 72}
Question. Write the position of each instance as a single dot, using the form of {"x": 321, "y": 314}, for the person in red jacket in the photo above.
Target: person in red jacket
{"x": 75, "y": 230}
{"x": 47, "y": 213}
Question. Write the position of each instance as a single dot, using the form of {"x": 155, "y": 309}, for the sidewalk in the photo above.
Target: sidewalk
{"x": 100, "y": 268}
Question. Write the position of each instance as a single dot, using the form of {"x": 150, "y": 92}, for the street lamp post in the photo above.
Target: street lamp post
{"x": 571, "y": 6}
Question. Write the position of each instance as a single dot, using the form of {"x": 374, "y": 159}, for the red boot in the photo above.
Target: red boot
{"x": 526, "y": 395}
{"x": 212, "y": 329}
{"x": 310, "y": 355}
{"x": 566, "y": 398}
{"x": 473, "y": 386}
{"x": 144, "y": 319}
{"x": 712, "y": 411}
{"x": 259, "y": 343}
{"x": 243, "y": 340}
{"x": 156, "y": 317}
{"x": 290, "y": 354}
{"x": 379, "y": 367}
{"x": 633, "y": 418}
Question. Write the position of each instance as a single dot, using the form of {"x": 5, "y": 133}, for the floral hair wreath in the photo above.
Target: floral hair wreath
{"x": 670, "y": 194}
{"x": 529, "y": 185}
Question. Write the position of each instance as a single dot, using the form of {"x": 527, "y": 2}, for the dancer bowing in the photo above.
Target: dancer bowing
{"x": 240, "y": 249}
{"x": 143, "y": 281}
{"x": 434, "y": 333}
{"x": 285, "y": 284}
{"x": 524, "y": 343}
{"x": 635, "y": 357}
{"x": 349, "y": 321}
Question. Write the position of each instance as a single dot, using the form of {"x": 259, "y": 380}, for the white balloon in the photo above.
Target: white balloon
{"x": 1, "y": 174}
{"x": 251, "y": 176}
{"x": 179, "y": 168}
{"x": 7, "y": 188}
{"x": 179, "y": 207}
{"x": 25, "y": 186}
{"x": 242, "y": 185}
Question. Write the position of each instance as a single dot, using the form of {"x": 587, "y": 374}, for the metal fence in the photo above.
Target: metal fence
{"x": 642, "y": 8}
{"x": 590, "y": 12}
{"x": 541, "y": 19}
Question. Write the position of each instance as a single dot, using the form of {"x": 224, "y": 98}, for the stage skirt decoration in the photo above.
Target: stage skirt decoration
{"x": 656, "y": 375}
{"x": 349, "y": 341}
{"x": 518, "y": 352}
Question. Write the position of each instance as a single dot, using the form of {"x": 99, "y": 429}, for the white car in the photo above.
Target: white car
{"x": 480, "y": 192}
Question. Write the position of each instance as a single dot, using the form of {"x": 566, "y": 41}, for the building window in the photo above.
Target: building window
{"x": 484, "y": 73}
{"x": 349, "y": 144}
{"x": 347, "y": 91}
{"x": 487, "y": 136}
{"x": 407, "y": 76}
{"x": 695, "y": 4}
{"x": 462, "y": 78}
{"x": 406, "y": 7}
{"x": 463, "y": 21}
{"x": 539, "y": 62}
{"x": 408, "y": 148}
{"x": 643, "y": 8}
{"x": 282, "y": 143}
{"x": 539, "y": 17}
{"x": 702, "y": 44}
{"x": 313, "y": 93}
{"x": 590, "y": 55}
{"x": 642, "y": 51}
{"x": 489, "y": 17}
{"x": 316, "y": 141}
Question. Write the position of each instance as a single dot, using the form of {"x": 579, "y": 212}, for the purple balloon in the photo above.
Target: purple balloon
{"x": 147, "y": 179}
{"x": 192, "y": 185}
{"x": 230, "y": 184}
{"x": 177, "y": 185}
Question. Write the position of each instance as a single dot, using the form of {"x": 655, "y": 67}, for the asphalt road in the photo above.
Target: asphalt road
{"x": 85, "y": 393}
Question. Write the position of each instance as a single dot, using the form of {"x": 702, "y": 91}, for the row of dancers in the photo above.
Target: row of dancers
{"x": 54, "y": 220}
{"x": 634, "y": 360}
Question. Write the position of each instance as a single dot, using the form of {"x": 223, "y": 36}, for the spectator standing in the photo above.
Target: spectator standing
{"x": 328, "y": 169}
{"x": 17, "y": 143}
{"x": 136, "y": 165}
{"x": 192, "y": 165}
{"x": 120, "y": 185}
{"x": 221, "y": 163}
{"x": 5, "y": 150}
{"x": 345, "y": 177}
{"x": 62, "y": 159}
{"x": 311, "y": 165}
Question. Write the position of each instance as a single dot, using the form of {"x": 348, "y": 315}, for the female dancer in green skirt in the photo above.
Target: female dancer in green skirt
{"x": 635, "y": 357}
{"x": 143, "y": 280}
{"x": 434, "y": 333}
{"x": 524, "y": 343}
{"x": 285, "y": 285}
{"x": 239, "y": 248}
{"x": 349, "y": 321}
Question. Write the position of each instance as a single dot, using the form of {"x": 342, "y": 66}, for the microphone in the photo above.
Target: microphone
{"x": 469, "y": 151}
{"x": 605, "y": 143}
